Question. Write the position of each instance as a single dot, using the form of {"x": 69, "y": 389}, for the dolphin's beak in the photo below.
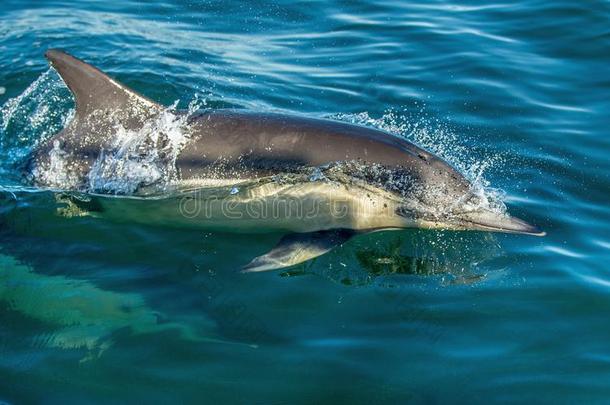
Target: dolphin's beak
{"x": 494, "y": 222}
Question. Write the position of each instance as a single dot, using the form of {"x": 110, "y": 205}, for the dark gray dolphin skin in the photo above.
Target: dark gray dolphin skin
{"x": 235, "y": 144}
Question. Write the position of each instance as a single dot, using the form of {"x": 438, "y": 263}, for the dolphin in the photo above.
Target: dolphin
{"x": 319, "y": 181}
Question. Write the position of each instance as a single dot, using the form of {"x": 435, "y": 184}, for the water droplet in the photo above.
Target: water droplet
{"x": 317, "y": 175}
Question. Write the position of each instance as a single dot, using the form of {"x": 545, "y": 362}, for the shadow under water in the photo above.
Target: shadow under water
{"x": 382, "y": 258}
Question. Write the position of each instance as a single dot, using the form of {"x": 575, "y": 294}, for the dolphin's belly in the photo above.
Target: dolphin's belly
{"x": 266, "y": 207}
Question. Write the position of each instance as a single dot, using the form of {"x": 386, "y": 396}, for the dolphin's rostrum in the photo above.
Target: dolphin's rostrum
{"x": 377, "y": 180}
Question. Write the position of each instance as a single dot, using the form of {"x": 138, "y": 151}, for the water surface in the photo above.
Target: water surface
{"x": 514, "y": 94}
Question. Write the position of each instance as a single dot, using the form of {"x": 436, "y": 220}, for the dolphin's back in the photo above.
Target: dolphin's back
{"x": 263, "y": 143}
{"x": 230, "y": 144}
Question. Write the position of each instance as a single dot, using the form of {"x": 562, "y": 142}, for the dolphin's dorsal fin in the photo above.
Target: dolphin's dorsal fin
{"x": 93, "y": 90}
{"x": 103, "y": 106}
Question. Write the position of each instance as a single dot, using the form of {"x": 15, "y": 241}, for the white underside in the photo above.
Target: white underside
{"x": 263, "y": 207}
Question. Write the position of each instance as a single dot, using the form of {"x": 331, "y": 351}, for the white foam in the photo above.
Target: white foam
{"x": 57, "y": 174}
{"x": 146, "y": 157}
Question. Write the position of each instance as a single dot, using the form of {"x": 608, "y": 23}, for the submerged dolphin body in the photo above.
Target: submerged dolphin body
{"x": 82, "y": 315}
{"x": 337, "y": 179}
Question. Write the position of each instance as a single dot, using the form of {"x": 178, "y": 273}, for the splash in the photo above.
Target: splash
{"x": 144, "y": 159}
{"x": 438, "y": 138}
{"x": 35, "y": 115}
{"x": 137, "y": 160}
{"x": 57, "y": 173}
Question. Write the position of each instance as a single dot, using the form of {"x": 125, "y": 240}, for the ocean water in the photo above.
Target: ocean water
{"x": 515, "y": 94}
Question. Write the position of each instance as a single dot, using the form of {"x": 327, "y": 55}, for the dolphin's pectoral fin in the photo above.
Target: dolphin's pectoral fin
{"x": 299, "y": 247}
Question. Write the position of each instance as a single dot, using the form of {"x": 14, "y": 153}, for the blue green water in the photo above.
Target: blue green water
{"x": 516, "y": 94}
